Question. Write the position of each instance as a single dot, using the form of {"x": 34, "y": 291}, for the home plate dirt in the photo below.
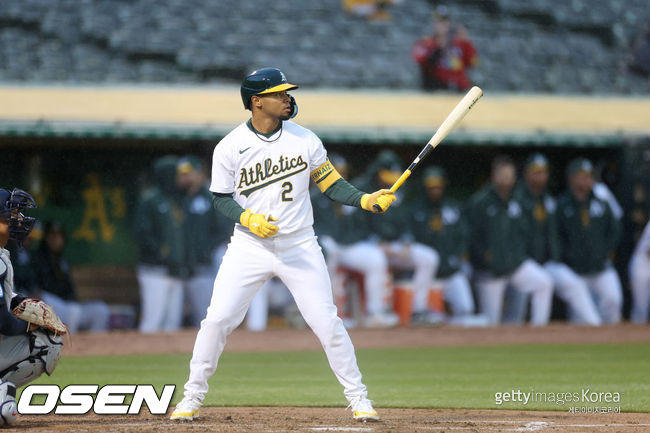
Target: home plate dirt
{"x": 284, "y": 419}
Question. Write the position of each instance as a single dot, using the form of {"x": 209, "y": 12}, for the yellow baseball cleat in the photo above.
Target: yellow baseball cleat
{"x": 186, "y": 410}
{"x": 362, "y": 410}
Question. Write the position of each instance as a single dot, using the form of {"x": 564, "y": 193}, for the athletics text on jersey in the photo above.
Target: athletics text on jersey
{"x": 269, "y": 176}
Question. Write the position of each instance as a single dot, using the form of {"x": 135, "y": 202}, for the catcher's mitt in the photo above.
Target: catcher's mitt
{"x": 37, "y": 312}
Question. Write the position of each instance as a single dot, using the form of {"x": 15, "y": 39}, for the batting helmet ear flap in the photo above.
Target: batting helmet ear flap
{"x": 294, "y": 107}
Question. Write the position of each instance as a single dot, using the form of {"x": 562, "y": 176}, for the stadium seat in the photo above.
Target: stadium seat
{"x": 537, "y": 45}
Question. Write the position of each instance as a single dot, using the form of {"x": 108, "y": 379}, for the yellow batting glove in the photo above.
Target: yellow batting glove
{"x": 259, "y": 224}
{"x": 384, "y": 198}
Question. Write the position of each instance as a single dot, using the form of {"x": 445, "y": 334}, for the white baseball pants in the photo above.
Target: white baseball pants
{"x": 609, "y": 294}
{"x": 515, "y": 306}
{"x": 161, "y": 299}
{"x": 199, "y": 293}
{"x": 424, "y": 261}
{"x": 249, "y": 261}
{"x": 574, "y": 291}
{"x": 364, "y": 257}
{"x": 458, "y": 294}
{"x": 640, "y": 285}
{"x": 529, "y": 277}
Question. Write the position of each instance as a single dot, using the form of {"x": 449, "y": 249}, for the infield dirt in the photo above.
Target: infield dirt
{"x": 285, "y": 419}
{"x": 131, "y": 342}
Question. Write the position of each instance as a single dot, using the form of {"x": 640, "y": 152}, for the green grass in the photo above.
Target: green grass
{"x": 451, "y": 377}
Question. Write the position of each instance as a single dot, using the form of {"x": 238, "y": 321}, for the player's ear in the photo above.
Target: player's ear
{"x": 256, "y": 101}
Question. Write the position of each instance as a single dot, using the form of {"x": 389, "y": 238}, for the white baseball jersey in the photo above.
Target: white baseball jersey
{"x": 269, "y": 175}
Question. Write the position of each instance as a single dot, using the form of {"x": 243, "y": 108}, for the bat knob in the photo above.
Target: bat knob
{"x": 376, "y": 207}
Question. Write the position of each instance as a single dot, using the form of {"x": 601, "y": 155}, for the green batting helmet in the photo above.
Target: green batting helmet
{"x": 261, "y": 81}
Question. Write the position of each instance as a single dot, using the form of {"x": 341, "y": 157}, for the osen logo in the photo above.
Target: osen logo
{"x": 107, "y": 400}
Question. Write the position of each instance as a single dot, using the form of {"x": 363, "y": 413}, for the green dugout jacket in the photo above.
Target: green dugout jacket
{"x": 442, "y": 226}
{"x": 497, "y": 232}
{"x": 540, "y": 217}
{"x": 588, "y": 231}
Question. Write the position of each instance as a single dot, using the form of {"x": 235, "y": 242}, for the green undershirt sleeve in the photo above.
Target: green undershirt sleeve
{"x": 344, "y": 192}
{"x": 227, "y": 205}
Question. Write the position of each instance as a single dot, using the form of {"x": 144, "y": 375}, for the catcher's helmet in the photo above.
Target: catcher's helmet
{"x": 11, "y": 205}
{"x": 261, "y": 81}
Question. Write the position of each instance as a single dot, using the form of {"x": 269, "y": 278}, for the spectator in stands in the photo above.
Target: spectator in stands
{"x": 542, "y": 242}
{"x": 498, "y": 248}
{"x": 589, "y": 233}
{"x": 204, "y": 230}
{"x": 160, "y": 239}
{"x": 344, "y": 237}
{"x": 445, "y": 56}
{"x": 395, "y": 235}
{"x": 439, "y": 223}
{"x": 55, "y": 285}
{"x": 640, "y": 278}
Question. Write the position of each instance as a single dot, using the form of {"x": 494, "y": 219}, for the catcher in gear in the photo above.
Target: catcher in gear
{"x": 30, "y": 332}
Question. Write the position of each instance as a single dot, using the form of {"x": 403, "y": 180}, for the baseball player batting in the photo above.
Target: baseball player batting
{"x": 260, "y": 180}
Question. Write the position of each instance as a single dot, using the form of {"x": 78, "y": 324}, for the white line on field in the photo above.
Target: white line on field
{"x": 488, "y": 421}
{"x": 528, "y": 426}
{"x": 334, "y": 428}
{"x": 605, "y": 425}
{"x": 469, "y": 427}
{"x": 534, "y": 426}
{"x": 541, "y": 425}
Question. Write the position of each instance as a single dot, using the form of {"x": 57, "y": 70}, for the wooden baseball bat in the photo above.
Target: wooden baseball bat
{"x": 452, "y": 120}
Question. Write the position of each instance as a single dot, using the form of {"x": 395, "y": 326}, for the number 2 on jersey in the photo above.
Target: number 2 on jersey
{"x": 287, "y": 187}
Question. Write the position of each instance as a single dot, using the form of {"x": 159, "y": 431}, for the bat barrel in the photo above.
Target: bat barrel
{"x": 452, "y": 120}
